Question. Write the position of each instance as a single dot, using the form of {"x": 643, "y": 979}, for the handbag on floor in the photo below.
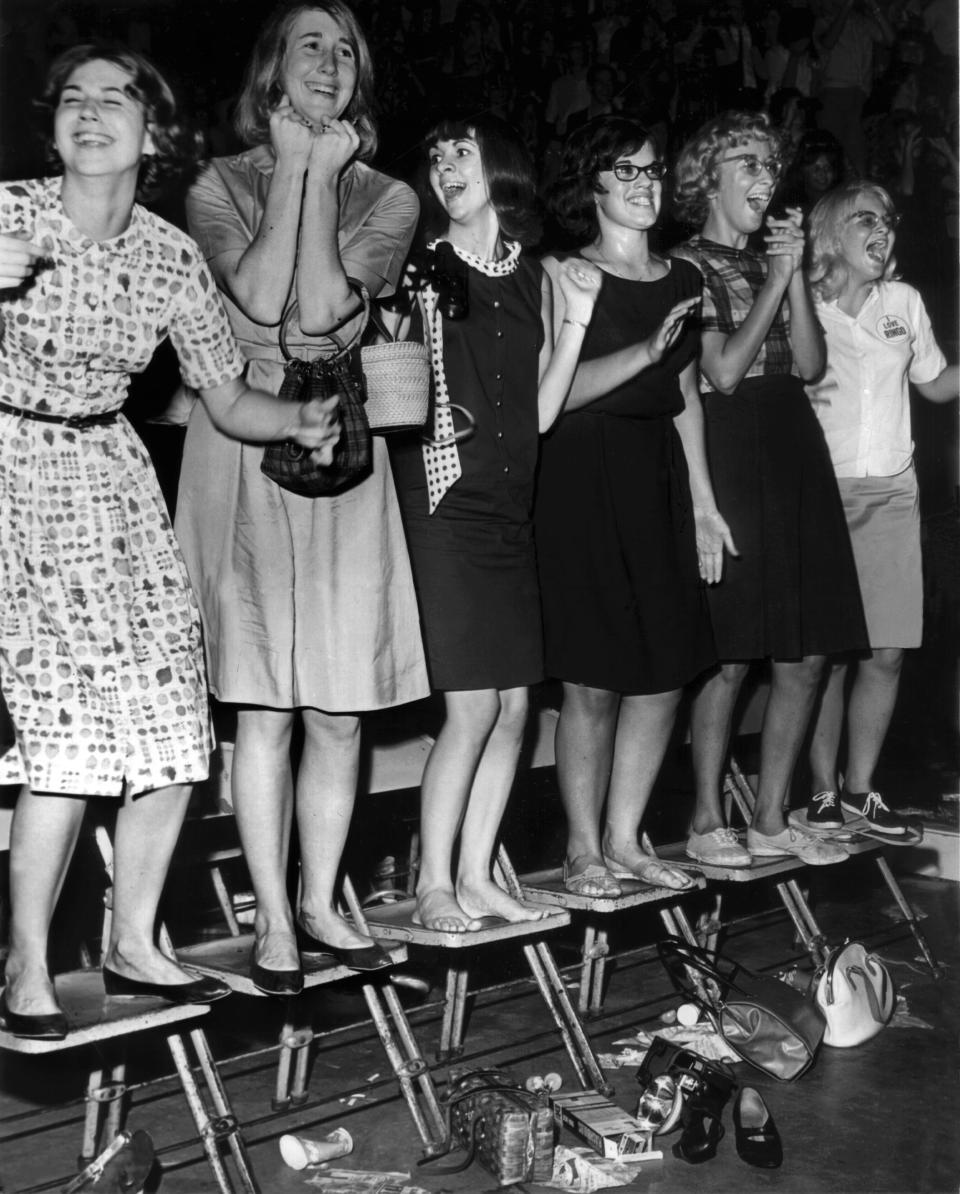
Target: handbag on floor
{"x": 854, "y": 991}
{"x": 295, "y": 467}
{"x": 766, "y": 1022}
{"x": 508, "y": 1129}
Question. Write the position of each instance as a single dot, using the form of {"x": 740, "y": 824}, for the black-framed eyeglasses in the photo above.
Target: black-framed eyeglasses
{"x": 753, "y": 165}
{"x": 629, "y": 171}
{"x": 870, "y": 220}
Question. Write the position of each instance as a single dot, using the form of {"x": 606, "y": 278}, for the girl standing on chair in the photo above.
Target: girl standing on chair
{"x": 100, "y": 655}
{"x": 879, "y": 342}
{"x": 626, "y": 521}
{"x": 467, "y": 506}
{"x": 308, "y": 605}
{"x": 790, "y": 597}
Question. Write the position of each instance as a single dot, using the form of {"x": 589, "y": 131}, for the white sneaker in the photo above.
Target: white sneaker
{"x": 719, "y": 847}
{"x": 796, "y": 842}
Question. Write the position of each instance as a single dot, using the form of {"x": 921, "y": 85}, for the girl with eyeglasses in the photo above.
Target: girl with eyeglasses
{"x": 618, "y": 531}
{"x": 791, "y": 597}
{"x": 879, "y": 342}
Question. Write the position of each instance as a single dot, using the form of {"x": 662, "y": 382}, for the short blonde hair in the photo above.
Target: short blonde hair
{"x": 828, "y": 270}
{"x": 697, "y": 173}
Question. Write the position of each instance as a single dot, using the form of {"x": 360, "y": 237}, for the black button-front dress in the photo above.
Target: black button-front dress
{"x": 473, "y": 559}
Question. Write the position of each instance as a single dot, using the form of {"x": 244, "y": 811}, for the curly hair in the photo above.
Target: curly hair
{"x": 828, "y": 270}
{"x": 593, "y": 147}
{"x": 507, "y": 168}
{"x": 178, "y": 147}
{"x": 697, "y": 172}
{"x": 262, "y": 88}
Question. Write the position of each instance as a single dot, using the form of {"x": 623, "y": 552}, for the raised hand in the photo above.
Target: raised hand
{"x": 669, "y": 329}
{"x": 785, "y": 242}
{"x": 334, "y": 145}
{"x": 291, "y": 136}
{"x": 19, "y": 259}
{"x": 579, "y": 282}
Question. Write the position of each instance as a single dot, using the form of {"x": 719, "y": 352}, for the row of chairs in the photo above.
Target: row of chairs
{"x": 95, "y": 1019}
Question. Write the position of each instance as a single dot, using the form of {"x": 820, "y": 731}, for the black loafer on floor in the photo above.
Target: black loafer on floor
{"x": 758, "y": 1141}
{"x": 276, "y": 982}
{"x": 360, "y": 957}
{"x": 49, "y": 1027}
{"x": 201, "y": 990}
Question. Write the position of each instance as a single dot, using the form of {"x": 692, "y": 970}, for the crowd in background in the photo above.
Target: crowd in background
{"x": 548, "y": 66}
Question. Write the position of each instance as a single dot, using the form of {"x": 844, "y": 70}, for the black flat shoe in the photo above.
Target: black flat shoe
{"x": 360, "y": 957}
{"x": 201, "y": 990}
{"x": 758, "y": 1141}
{"x": 276, "y": 982}
{"x": 50, "y": 1027}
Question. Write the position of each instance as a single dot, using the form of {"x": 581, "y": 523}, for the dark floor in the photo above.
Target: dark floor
{"x": 880, "y": 1118}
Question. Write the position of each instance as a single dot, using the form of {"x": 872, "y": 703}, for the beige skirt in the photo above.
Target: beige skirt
{"x": 883, "y": 515}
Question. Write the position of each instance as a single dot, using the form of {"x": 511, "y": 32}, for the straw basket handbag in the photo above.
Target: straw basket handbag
{"x": 396, "y": 376}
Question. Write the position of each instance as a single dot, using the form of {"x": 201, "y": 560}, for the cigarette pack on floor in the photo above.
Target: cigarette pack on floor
{"x": 607, "y": 1128}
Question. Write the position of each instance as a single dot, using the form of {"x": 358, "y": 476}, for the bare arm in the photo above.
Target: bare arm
{"x": 726, "y": 358}
{"x": 943, "y": 388}
{"x": 713, "y": 534}
{"x": 258, "y": 417}
{"x": 806, "y": 334}
{"x": 325, "y": 297}
{"x": 577, "y": 286}
{"x": 258, "y": 278}
{"x": 593, "y": 379}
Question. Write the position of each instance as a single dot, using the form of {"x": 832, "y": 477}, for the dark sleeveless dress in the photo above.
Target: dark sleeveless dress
{"x": 623, "y": 604}
{"x": 473, "y": 559}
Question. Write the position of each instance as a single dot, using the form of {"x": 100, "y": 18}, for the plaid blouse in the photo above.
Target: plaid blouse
{"x": 732, "y": 279}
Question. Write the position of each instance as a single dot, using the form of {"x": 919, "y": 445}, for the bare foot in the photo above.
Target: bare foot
{"x": 438, "y": 909}
{"x": 637, "y": 864}
{"x": 487, "y": 899}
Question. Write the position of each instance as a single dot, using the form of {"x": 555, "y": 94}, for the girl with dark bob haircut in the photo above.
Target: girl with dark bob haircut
{"x": 177, "y": 146}
{"x": 263, "y": 87}
{"x": 509, "y": 174}
{"x": 592, "y": 148}
{"x": 467, "y": 499}
{"x": 697, "y": 173}
{"x": 621, "y": 551}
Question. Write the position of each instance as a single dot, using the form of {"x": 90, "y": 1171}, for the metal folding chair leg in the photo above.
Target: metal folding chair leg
{"x": 810, "y": 933}
{"x": 454, "y": 1013}
{"x": 909, "y": 916}
{"x": 593, "y": 970}
{"x": 220, "y": 1127}
{"x": 99, "y": 1125}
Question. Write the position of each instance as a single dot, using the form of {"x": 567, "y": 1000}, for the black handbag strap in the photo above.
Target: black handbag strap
{"x": 686, "y": 964}
{"x": 340, "y": 348}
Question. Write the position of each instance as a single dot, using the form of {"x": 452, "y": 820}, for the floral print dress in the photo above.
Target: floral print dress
{"x": 101, "y": 660}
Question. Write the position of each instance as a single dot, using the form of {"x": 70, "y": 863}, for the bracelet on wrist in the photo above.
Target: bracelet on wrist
{"x": 577, "y": 323}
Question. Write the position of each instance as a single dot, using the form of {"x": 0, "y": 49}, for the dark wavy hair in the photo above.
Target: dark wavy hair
{"x": 178, "y": 146}
{"x": 262, "y": 89}
{"x": 593, "y": 147}
{"x": 697, "y": 172}
{"x": 507, "y": 168}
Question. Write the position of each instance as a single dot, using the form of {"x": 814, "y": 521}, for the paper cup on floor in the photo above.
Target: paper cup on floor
{"x": 299, "y": 1152}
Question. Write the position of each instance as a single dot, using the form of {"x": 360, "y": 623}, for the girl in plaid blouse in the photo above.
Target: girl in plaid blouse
{"x": 790, "y": 596}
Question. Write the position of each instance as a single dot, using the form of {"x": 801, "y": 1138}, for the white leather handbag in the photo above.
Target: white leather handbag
{"x": 856, "y": 994}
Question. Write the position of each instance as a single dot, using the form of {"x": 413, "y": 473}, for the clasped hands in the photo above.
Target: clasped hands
{"x": 785, "y": 241}
{"x": 327, "y": 149}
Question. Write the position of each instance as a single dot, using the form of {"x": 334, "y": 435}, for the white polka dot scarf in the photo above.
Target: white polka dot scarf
{"x": 441, "y": 458}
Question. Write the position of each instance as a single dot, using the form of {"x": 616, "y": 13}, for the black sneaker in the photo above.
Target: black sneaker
{"x": 871, "y": 807}
{"x": 823, "y": 811}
